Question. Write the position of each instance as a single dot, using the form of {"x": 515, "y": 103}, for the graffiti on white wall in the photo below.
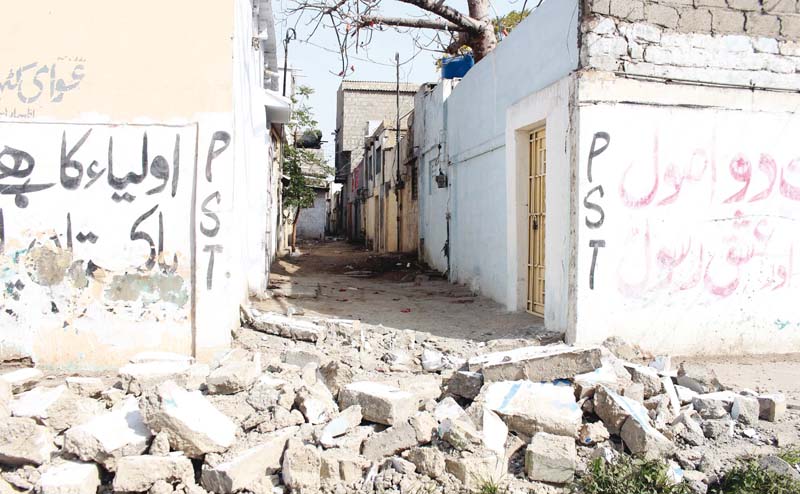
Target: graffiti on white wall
{"x": 713, "y": 212}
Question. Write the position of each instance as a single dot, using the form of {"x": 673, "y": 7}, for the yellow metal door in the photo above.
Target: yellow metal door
{"x": 537, "y": 167}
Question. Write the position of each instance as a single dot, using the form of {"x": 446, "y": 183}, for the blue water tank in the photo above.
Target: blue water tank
{"x": 457, "y": 67}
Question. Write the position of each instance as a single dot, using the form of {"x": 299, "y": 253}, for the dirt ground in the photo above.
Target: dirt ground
{"x": 337, "y": 279}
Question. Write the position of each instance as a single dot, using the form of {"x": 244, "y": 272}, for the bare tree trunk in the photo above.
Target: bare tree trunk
{"x": 294, "y": 229}
{"x": 484, "y": 41}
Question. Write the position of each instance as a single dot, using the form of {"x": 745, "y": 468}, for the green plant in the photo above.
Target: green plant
{"x": 750, "y": 478}
{"x": 489, "y": 485}
{"x": 629, "y": 476}
{"x": 791, "y": 456}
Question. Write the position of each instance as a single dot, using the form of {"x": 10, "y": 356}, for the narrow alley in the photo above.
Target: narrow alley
{"x": 339, "y": 279}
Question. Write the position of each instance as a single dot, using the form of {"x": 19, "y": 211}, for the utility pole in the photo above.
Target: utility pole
{"x": 397, "y": 150}
{"x": 290, "y": 35}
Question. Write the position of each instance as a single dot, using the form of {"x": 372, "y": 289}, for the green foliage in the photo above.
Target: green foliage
{"x": 488, "y": 485}
{"x": 297, "y": 194}
{"x": 504, "y": 25}
{"x": 791, "y": 456}
{"x": 629, "y": 476}
{"x": 749, "y": 478}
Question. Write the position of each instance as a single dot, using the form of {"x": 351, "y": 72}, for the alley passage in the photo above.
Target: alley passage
{"x": 337, "y": 279}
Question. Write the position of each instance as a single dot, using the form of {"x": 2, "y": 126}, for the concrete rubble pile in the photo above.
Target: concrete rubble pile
{"x": 334, "y": 406}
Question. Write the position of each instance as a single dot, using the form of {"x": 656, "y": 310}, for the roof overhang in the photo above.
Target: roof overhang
{"x": 279, "y": 108}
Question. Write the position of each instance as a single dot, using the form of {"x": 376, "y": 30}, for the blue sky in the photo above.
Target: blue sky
{"x": 319, "y": 62}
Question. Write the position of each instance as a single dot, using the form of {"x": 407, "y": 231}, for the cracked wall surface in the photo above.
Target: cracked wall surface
{"x": 736, "y": 42}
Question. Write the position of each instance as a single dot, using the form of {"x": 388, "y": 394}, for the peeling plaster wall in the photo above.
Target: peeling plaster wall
{"x": 689, "y": 217}
{"x": 123, "y": 165}
{"x": 311, "y": 223}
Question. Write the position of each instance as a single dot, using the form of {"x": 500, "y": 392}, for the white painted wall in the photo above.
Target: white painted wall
{"x": 700, "y": 214}
{"x": 477, "y": 137}
{"x": 550, "y": 107}
{"x": 311, "y": 224}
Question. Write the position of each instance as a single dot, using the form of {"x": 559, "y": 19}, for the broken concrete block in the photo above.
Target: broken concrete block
{"x": 536, "y": 363}
{"x": 745, "y": 409}
{"x": 779, "y": 466}
{"x": 194, "y": 425}
{"x": 288, "y": 327}
{"x": 90, "y": 387}
{"x": 587, "y": 383}
{"x": 448, "y": 408}
{"x": 395, "y": 439}
{"x": 432, "y": 361}
{"x": 465, "y": 384}
{"x": 24, "y": 442}
{"x": 69, "y": 478}
{"x": 614, "y": 409}
{"x": 551, "y": 458}
{"x": 475, "y": 470}
{"x": 301, "y": 467}
{"x": 685, "y": 395}
{"x": 592, "y": 433}
{"x": 160, "y": 444}
{"x": 316, "y": 403}
{"x": 342, "y": 467}
{"x": 460, "y": 433}
{"x": 662, "y": 364}
{"x": 56, "y": 407}
{"x": 246, "y": 470}
{"x": 647, "y": 377}
{"x": 379, "y": 403}
{"x": 494, "y": 432}
{"x": 641, "y": 438}
{"x": 634, "y": 391}
{"x": 672, "y": 394}
{"x": 139, "y": 473}
{"x": 428, "y": 461}
{"x": 772, "y": 407}
{"x": 336, "y": 375}
{"x": 234, "y": 375}
{"x": 713, "y": 429}
{"x": 109, "y": 436}
{"x": 347, "y": 420}
{"x": 269, "y": 391}
{"x": 22, "y": 379}
{"x": 712, "y": 406}
{"x": 699, "y": 379}
{"x": 690, "y": 431}
{"x": 529, "y": 407}
{"x": 139, "y": 377}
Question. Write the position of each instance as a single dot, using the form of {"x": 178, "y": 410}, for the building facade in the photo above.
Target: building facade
{"x": 133, "y": 215}
{"x": 635, "y": 175}
{"x": 359, "y": 102}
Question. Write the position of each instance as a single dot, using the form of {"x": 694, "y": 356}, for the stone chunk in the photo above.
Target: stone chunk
{"x": 393, "y": 440}
{"x": 771, "y": 407}
{"x": 194, "y": 425}
{"x": 713, "y": 406}
{"x": 460, "y": 433}
{"x": 699, "y": 379}
{"x": 587, "y": 383}
{"x": 379, "y": 403}
{"x": 777, "y": 465}
{"x": 342, "y": 467}
{"x": 428, "y": 461}
{"x": 465, "y": 384}
{"x": 614, "y": 409}
{"x": 109, "y": 436}
{"x": 536, "y": 363}
{"x": 139, "y": 473}
{"x": 70, "y": 478}
{"x": 246, "y": 470}
{"x": 473, "y": 470}
{"x": 140, "y": 377}
{"x": 90, "y": 387}
{"x": 301, "y": 468}
{"x": 551, "y": 458}
{"x": 316, "y": 403}
{"x": 529, "y": 407}
{"x": 336, "y": 375}
{"x": 268, "y": 392}
{"x": 24, "y": 442}
{"x": 647, "y": 377}
{"x": 234, "y": 375}
{"x": 22, "y": 379}
{"x": 347, "y": 420}
{"x": 288, "y": 327}
{"x": 57, "y": 407}
{"x": 641, "y": 438}
{"x": 745, "y": 409}
{"x": 593, "y": 433}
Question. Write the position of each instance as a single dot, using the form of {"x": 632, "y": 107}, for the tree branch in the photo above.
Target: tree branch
{"x": 439, "y": 25}
{"x": 448, "y": 13}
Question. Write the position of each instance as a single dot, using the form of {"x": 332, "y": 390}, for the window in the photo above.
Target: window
{"x": 378, "y": 160}
{"x": 414, "y": 185}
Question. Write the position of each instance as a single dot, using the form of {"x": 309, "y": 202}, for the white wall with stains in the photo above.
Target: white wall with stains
{"x": 124, "y": 201}
{"x": 688, "y": 217}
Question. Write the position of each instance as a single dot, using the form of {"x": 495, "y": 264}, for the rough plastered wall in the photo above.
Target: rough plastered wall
{"x": 117, "y": 219}
{"x": 311, "y": 224}
{"x": 742, "y": 42}
{"x": 688, "y": 217}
